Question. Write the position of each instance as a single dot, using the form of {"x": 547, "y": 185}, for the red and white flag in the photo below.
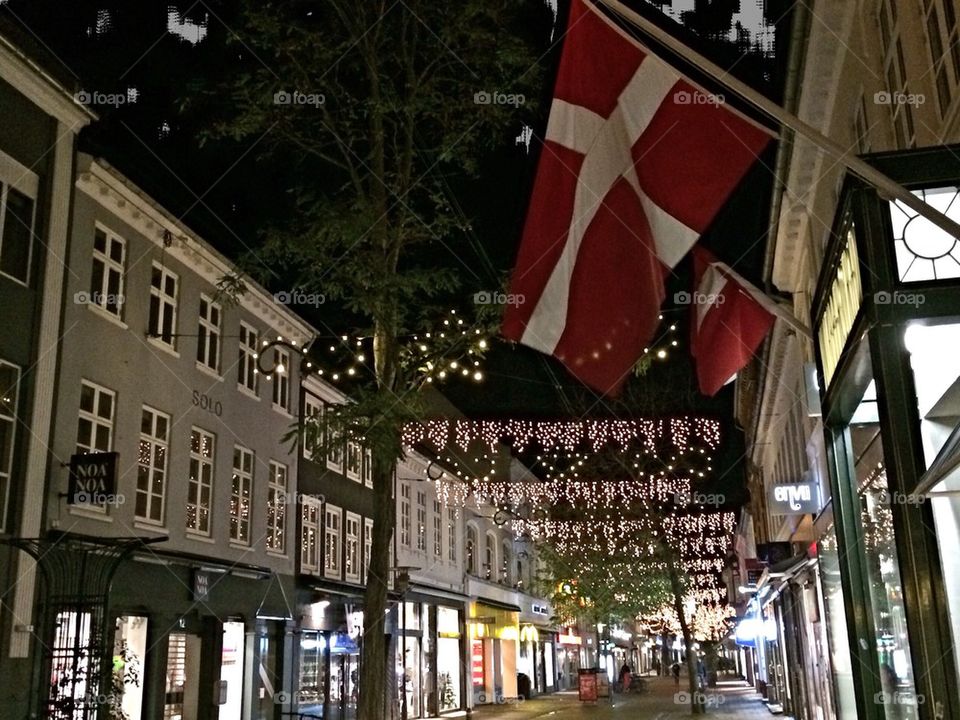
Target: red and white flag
{"x": 728, "y": 323}
{"x": 635, "y": 164}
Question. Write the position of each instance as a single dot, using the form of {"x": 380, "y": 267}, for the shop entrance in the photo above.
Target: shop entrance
{"x": 183, "y": 676}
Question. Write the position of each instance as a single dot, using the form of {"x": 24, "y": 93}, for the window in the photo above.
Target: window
{"x": 368, "y": 468}
{"x": 437, "y": 529}
{"x": 452, "y": 534}
{"x": 281, "y": 380}
{"x": 331, "y": 541}
{"x": 152, "y": 465}
{"x": 310, "y": 534}
{"x": 367, "y": 546}
{"x": 106, "y": 279}
{"x": 471, "y": 550}
{"x": 405, "y": 533}
{"x": 248, "y": 378}
{"x": 163, "y": 306}
{"x": 421, "y": 521}
{"x": 95, "y": 428}
{"x": 506, "y": 563}
{"x": 277, "y": 508}
{"x": 334, "y": 441}
{"x": 490, "y": 558}
{"x": 352, "y": 547}
{"x": 861, "y": 129}
{"x": 200, "y": 486}
{"x": 9, "y": 389}
{"x": 312, "y": 425}
{"x": 924, "y": 252}
{"x": 354, "y": 460}
{"x": 943, "y": 34}
{"x": 16, "y": 233}
{"x": 208, "y": 334}
{"x": 240, "y": 493}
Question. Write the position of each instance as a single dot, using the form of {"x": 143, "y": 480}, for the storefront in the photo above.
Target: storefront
{"x": 427, "y": 647}
{"x": 569, "y": 647}
{"x": 494, "y": 633}
{"x": 329, "y": 657}
{"x": 887, "y": 325}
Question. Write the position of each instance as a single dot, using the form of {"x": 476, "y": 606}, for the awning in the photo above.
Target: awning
{"x": 946, "y": 463}
{"x": 498, "y": 605}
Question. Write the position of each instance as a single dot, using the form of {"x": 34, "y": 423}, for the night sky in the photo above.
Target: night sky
{"x": 223, "y": 190}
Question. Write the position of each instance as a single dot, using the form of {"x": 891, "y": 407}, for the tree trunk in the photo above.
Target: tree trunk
{"x": 697, "y": 698}
{"x": 373, "y": 667}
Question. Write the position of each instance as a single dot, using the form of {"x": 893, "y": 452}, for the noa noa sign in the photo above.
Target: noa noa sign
{"x": 92, "y": 476}
{"x": 797, "y": 498}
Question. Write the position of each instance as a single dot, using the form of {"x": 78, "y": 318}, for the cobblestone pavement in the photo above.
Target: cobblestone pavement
{"x": 731, "y": 700}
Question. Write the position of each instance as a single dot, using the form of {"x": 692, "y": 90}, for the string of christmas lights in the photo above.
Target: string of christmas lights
{"x": 565, "y": 435}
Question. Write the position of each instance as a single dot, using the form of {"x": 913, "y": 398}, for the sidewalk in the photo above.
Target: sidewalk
{"x": 731, "y": 700}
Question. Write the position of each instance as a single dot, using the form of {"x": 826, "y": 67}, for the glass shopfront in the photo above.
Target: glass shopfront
{"x": 845, "y": 698}
{"x": 449, "y": 659}
{"x": 428, "y": 660}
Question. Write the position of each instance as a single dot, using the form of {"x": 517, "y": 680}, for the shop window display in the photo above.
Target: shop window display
{"x": 833, "y": 602}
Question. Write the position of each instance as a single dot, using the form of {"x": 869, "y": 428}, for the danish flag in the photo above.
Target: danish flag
{"x": 635, "y": 164}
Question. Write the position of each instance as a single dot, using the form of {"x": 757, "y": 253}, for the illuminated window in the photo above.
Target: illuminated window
{"x": 200, "y": 484}
{"x": 277, "y": 508}
{"x": 152, "y": 465}
{"x": 240, "y": 492}
{"x": 924, "y": 251}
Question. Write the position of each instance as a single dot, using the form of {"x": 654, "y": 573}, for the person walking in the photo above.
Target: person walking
{"x": 675, "y": 669}
{"x": 625, "y": 673}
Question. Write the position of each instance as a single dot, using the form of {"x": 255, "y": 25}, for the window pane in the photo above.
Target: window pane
{"x": 17, "y": 233}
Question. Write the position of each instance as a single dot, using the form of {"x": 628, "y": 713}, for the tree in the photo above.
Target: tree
{"x": 375, "y": 111}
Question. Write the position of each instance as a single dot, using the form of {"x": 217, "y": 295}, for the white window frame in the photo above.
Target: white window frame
{"x": 452, "y": 534}
{"x": 8, "y": 415}
{"x": 280, "y": 392}
{"x": 279, "y": 481}
{"x": 421, "y": 521}
{"x": 155, "y": 441}
{"x": 490, "y": 557}
{"x": 437, "y": 529}
{"x": 95, "y": 419}
{"x": 241, "y": 480}
{"x": 406, "y": 521}
{"x": 471, "y": 547}
{"x": 166, "y": 303}
{"x": 25, "y": 181}
{"x": 209, "y": 332}
{"x": 99, "y": 297}
{"x": 311, "y": 514}
{"x": 312, "y": 408}
{"x": 351, "y": 547}
{"x": 335, "y": 447}
{"x": 332, "y": 532}
{"x": 248, "y": 376}
{"x": 367, "y": 468}
{"x": 367, "y": 546}
{"x": 196, "y": 483}
{"x": 353, "y": 462}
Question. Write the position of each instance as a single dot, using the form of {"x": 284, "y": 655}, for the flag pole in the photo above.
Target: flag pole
{"x": 769, "y": 304}
{"x": 866, "y": 172}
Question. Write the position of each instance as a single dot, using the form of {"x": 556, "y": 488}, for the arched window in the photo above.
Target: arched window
{"x": 490, "y": 558}
{"x": 506, "y": 563}
{"x": 471, "y": 550}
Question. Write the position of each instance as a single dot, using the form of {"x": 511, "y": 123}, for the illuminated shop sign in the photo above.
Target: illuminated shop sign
{"x": 840, "y": 311}
{"x": 794, "y": 498}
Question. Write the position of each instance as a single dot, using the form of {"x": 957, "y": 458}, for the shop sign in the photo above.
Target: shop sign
{"x": 840, "y": 310}
{"x": 539, "y": 609}
{"x": 93, "y": 478}
{"x": 201, "y": 585}
{"x": 476, "y": 663}
{"x": 569, "y": 639}
{"x": 529, "y": 633}
{"x": 794, "y": 498}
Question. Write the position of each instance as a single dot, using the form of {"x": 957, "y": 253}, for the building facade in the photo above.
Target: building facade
{"x": 864, "y": 407}
{"x": 160, "y": 377}
{"x": 39, "y": 123}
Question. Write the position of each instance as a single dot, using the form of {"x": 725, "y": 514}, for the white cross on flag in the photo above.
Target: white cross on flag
{"x": 636, "y": 162}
